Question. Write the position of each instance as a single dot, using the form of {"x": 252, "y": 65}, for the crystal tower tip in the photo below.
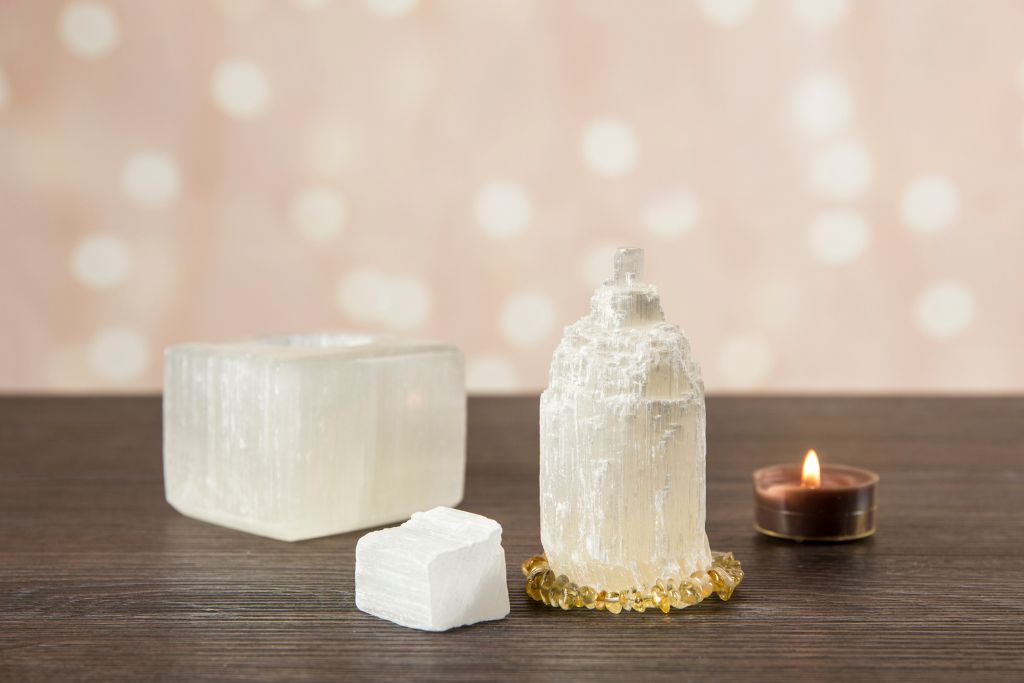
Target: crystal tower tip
{"x": 629, "y": 265}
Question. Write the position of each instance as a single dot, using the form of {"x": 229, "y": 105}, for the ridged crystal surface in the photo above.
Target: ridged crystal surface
{"x": 622, "y": 445}
{"x": 304, "y": 436}
{"x": 441, "y": 569}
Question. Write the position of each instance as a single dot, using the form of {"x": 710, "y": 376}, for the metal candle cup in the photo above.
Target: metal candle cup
{"x": 791, "y": 503}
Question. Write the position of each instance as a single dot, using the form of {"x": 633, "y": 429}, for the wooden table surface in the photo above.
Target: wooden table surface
{"x": 100, "y": 579}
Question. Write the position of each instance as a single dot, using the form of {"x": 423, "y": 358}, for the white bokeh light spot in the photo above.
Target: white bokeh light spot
{"x": 240, "y": 88}
{"x": 745, "y": 360}
{"x": 360, "y": 294}
{"x": 391, "y": 9}
{"x": 491, "y": 373}
{"x": 944, "y": 309}
{"x": 609, "y": 147}
{"x": 930, "y": 203}
{"x": 839, "y": 236}
{"x": 822, "y": 105}
{"x": 119, "y": 353}
{"x": 841, "y": 170}
{"x": 502, "y": 209}
{"x": 151, "y": 178}
{"x": 672, "y": 214}
{"x": 372, "y": 296}
{"x": 819, "y": 14}
{"x": 88, "y": 29}
{"x": 727, "y": 12}
{"x": 318, "y": 213}
{"x": 527, "y": 318}
{"x": 101, "y": 261}
{"x": 411, "y": 303}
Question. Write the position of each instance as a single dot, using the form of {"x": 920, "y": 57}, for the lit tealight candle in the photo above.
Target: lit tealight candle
{"x": 811, "y": 502}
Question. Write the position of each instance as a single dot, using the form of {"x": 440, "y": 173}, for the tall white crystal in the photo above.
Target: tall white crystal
{"x": 622, "y": 443}
{"x": 441, "y": 569}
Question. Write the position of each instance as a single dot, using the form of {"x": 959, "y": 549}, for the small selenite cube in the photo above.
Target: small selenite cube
{"x": 441, "y": 569}
{"x": 309, "y": 435}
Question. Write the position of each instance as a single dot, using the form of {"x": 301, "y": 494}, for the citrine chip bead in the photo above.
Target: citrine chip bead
{"x": 689, "y": 591}
{"x": 722, "y": 583}
{"x": 626, "y": 600}
{"x": 533, "y": 586}
{"x": 567, "y": 600}
{"x": 659, "y": 597}
{"x": 534, "y": 562}
{"x": 703, "y": 581}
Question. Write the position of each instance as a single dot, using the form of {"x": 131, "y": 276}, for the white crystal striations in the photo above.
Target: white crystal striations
{"x": 305, "y": 436}
{"x": 441, "y": 569}
{"x": 622, "y": 444}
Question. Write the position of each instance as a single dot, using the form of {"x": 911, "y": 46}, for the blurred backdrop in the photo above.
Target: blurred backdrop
{"x": 830, "y": 192}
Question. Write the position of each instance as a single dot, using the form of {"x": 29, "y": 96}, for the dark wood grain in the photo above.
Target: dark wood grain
{"x": 100, "y": 579}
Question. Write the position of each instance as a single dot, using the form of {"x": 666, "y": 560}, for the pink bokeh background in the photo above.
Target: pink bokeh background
{"x": 830, "y": 192}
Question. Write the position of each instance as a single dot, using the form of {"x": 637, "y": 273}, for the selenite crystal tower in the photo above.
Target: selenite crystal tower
{"x": 622, "y": 453}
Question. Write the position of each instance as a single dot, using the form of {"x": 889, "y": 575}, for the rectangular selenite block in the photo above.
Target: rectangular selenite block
{"x": 310, "y": 435}
{"x": 441, "y": 569}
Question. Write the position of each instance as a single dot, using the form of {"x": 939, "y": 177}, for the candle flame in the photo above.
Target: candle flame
{"x": 811, "y": 477}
